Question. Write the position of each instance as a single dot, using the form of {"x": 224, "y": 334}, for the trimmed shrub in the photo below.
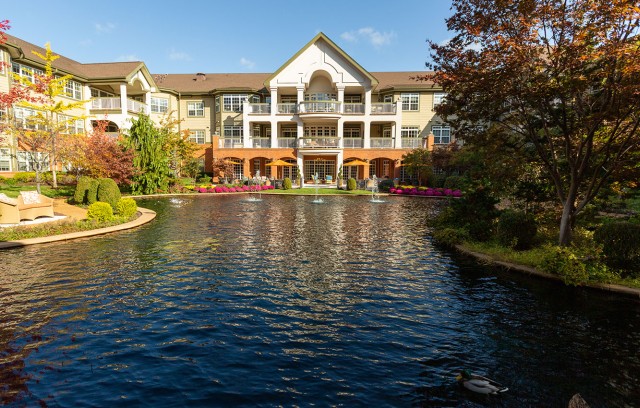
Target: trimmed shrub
{"x": 351, "y": 184}
{"x": 620, "y": 243}
{"x": 204, "y": 180}
{"x": 108, "y": 192}
{"x": 82, "y": 189}
{"x": 25, "y": 177}
{"x": 126, "y": 207}
{"x": 92, "y": 191}
{"x": 516, "y": 229}
{"x": 286, "y": 183}
{"x": 385, "y": 185}
{"x": 451, "y": 236}
{"x": 100, "y": 211}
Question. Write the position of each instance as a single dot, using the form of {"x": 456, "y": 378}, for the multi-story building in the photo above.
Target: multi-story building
{"x": 318, "y": 111}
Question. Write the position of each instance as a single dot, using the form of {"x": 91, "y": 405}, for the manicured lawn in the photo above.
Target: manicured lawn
{"x": 45, "y": 189}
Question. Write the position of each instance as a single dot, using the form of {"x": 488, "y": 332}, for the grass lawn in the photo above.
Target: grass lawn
{"x": 14, "y": 190}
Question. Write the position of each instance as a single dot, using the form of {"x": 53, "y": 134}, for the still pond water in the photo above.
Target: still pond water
{"x": 224, "y": 302}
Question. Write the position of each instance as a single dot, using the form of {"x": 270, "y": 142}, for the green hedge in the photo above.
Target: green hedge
{"x": 100, "y": 211}
{"x": 352, "y": 184}
{"x": 126, "y": 207}
{"x": 82, "y": 190}
{"x": 516, "y": 229}
{"x": 286, "y": 183}
{"x": 620, "y": 243}
{"x": 108, "y": 192}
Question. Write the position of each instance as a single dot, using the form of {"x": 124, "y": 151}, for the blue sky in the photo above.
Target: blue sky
{"x": 231, "y": 36}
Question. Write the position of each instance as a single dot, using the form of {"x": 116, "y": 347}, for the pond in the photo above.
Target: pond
{"x": 281, "y": 302}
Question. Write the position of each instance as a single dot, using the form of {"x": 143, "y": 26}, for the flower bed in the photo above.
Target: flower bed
{"x": 425, "y": 191}
{"x": 230, "y": 189}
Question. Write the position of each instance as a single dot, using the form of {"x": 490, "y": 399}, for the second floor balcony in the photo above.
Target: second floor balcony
{"x": 321, "y": 107}
{"x": 114, "y": 103}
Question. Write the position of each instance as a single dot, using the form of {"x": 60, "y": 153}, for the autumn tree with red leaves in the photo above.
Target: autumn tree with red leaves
{"x": 558, "y": 79}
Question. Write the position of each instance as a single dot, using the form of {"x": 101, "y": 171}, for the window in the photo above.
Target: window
{"x": 288, "y": 99}
{"x": 25, "y": 71}
{"x": 388, "y": 99}
{"x": 320, "y": 97}
{"x": 351, "y": 131}
{"x": 28, "y": 161}
{"x": 195, "y": 108}
{"x": 373, "y": 169}
{"x": 409, "y": 132}
{"x": 438, "y": 98}
{"x": 233, "y": 102}
{"x": 73, "y": 89}
{"x": 352, "y": 99}
{"x": 5, "y": 160}
{"x": 321, "y": 167}
{"x": 217, "y": 104}
{"x": 2, "y": 70}
{"x": 386, "y": 131}
{"x": 410, "y": 101}
{"x": 99, "y": 93}
{"x": 197, "y": 136}
{"x": 159, "y": 105}
{"x": 289, "y": 131}
{"x": 442, "y": 134}
{"x": 319, "y": 131}
{"x": 233, "y": 131}
{"x": 385, "y": 168}
{"x": 25, "y": 117}
{"x": 72, "y": 126}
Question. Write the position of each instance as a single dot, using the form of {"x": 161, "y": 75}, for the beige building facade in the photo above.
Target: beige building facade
{"x": 318, "y": 112}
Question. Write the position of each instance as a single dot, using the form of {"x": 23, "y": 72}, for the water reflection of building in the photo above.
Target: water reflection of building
{"x": 319, "y": 110}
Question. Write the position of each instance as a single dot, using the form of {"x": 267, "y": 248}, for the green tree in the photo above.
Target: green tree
{"x": 151, "y": 159}
{"x": 418, "y": 163}
{"x": 559, "y": 78}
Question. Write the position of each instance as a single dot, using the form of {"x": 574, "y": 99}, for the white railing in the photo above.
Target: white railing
{"x": 228, "y": 143}
{"x": 378, "y": 142}
{"x": 354, "y": 108}
{"x": 287, "y": 142}
{"x": 319, "y": 142}
{"x": 383, "y": 108}
{"x": 260, "y": 108}
{"x": 261, "y": 141}
{"x": 287, "y": 108}
{"x": 411, "y": 142}
{"x": 319, "y": 106}
{"x": 105, "y": 103}
{"x": 135, "y": 106}
{"x": 352, "y": 142}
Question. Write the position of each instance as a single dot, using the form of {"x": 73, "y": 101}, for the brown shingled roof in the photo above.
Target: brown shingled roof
{"x": 186, "y": 83}
{"x": 394, "y": 80}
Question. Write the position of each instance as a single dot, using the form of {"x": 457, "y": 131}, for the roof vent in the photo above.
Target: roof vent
{"x": 200, "y": 76}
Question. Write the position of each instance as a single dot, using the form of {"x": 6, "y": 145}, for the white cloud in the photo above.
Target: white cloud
{"x": 104, "y": 28}
{"x": 247, "y": 63}
{"x": 179, "y": 56}
{"x": 128, "y": 58}
{"x": 369, "y": 34}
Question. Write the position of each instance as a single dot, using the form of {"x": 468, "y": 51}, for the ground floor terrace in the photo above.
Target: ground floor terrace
{"x": 326, "y": 164}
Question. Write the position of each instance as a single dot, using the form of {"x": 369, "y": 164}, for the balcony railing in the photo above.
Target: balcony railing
{"x": 105, "y": 103}
{"x": 319, "y": 106}
{"x": 260, "y": 108}
{"x": 261, "y": 141}
{"x": 354, "y": 108}
{"x": 383, "y": 108}
{"x": 411, "y": 142}
{"x": 287, "y": 142}
{"x": 319, "y": 142}
{"x": 287, "y": 108}
{"x": 352, "y": 142}
{"x": 135, "y": 106}
{"x": 381, "y": 142}
{"x": 228, "y": 143}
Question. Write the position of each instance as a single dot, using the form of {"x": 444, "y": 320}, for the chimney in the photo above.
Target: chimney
{"x": 200, "y": 76}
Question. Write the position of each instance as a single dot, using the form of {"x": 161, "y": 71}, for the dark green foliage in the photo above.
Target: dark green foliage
{"x": 437, "y": 180}
{"x": 82, "y": 189}
{"x": 564, "y": 263}
{"x": 516, "y": 229}
{"x": 108, "y": 191}
{"x": 385, "y": 185}
{"x": 351, "y": 184}
{"x": 92, "y": 191}
{"x": 450, "y": 236}
{"x": 151, "y": 159}
{"x": 475, "y": 212}
{"x": 126, "y": 207}
{"x": 204, "y": 180}
{"x": 620, "y": 244}
{"x": 286, "y": 183}
{"x": 100, "y": 211}
{"x": 454, "y": 182}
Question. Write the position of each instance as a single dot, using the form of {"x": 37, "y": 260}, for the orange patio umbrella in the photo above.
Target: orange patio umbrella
{"x": 356, "y": 163}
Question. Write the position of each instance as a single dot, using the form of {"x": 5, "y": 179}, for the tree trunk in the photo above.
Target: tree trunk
{"x": 567, "y": 220}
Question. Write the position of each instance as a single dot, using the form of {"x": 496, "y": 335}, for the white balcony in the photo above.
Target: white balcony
{"x": 352, "y": 142}
{"x": 354, "y": 109}
{"x": 287, "y": 108}
{"x": 381, "y": 142}
{"x": 287, "y": 142}
{"x": 386, "y": 108}
{"x": 319, "y": 106}
{"x": 105, "y": 103}
{"x": 319, "y": 142}
{"x": 230, "y": 143}
{"x": 411, "y": 142}
{"x": 264, "y": 142}
{"x": 260, "y": 108}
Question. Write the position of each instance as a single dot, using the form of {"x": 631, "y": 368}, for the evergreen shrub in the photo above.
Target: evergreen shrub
{"x": 620, "y": 243}
{"x": 126, "y": 207}
{"x": 108, "y": 192}
{"x": 82, "y": 190}
{"x": 454, "y": 182}
{"x": 100, "y": 211}
{"x": 451, "y": 236}
{"x": 563, "y": 262}
{"x": 516, "y": 229}
{"x": 385, "y": 185}
{"x": 25, "y": 177}
{"x": 351, "y": 184}
{"x": 92, "y": 191}
{"x": 286, "y": 183}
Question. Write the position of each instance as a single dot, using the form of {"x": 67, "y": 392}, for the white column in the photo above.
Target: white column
{"x": 123, "y": 100}
{"x": 274, "y": 131}
{"x": 274, "y": 103}
{"x": 341, "y": 98}
{"x": 300, "y": 133}
{"x": 300, "y": 98}
{"x": 366, "y": 135}
{"x": 396, "y": 131}
{"x": 147, "y": 101}
{"x": 340, "y": 133}
{"x": 246, "y": 126}
{"x": 367, "y": 101}
{"x": 87, "y": 108}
